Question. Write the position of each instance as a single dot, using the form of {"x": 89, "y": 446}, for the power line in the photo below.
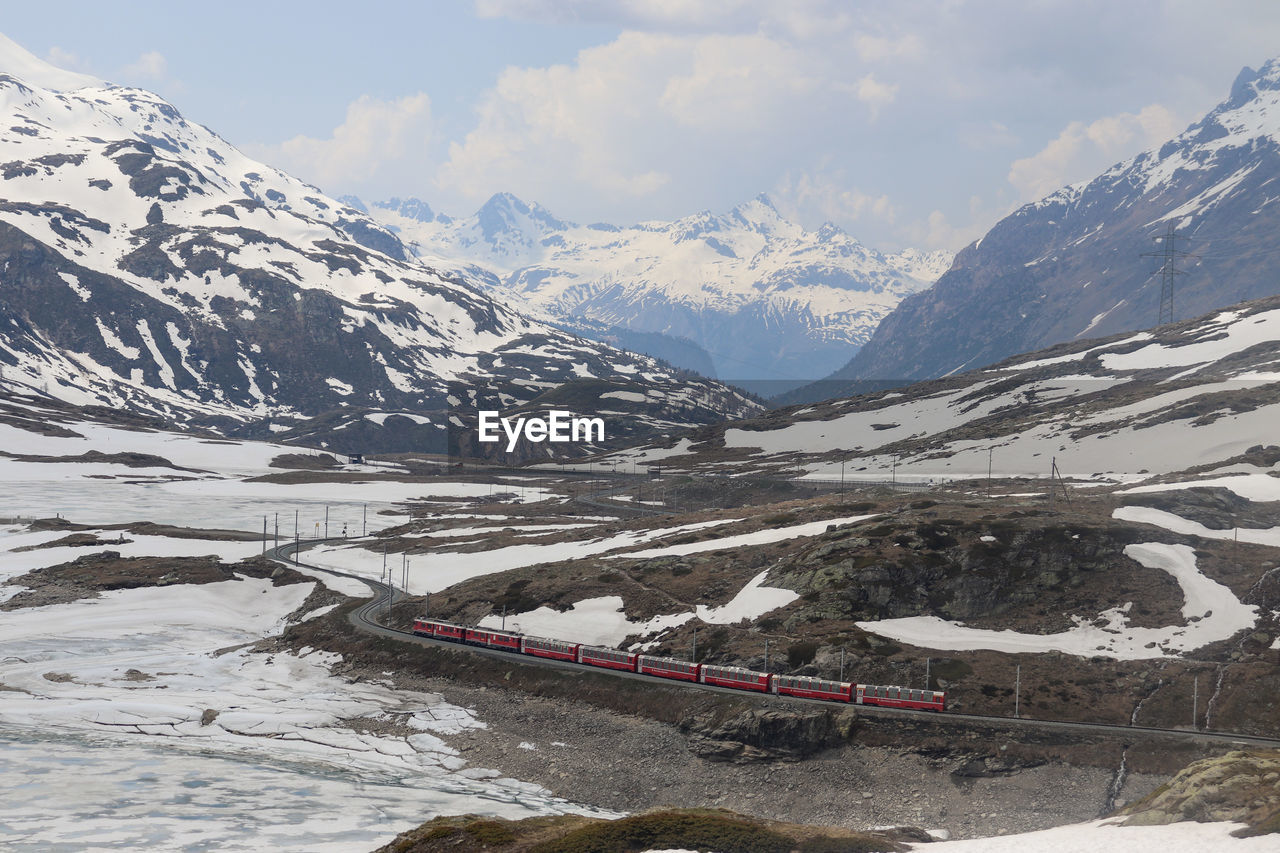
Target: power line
{"x": 1168, "y": 255}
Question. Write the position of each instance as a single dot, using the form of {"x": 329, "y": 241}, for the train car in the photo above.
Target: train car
{"x": 608, "y": 658}
{"x": 736, "y": 677}
{"x": 492, "y": 639}
{"x": 813, "y": 688}
{"x": 899, "y": 697}
{"x": 546, "y": 648}
{"x": 439, "y": 630}
{"x": 668, "y": 668}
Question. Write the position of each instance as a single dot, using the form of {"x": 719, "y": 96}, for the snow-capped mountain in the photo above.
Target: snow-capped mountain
{"x": 767, "y": 299}
{"x": 1070, "y": 266}
{"x": 147, "y": 264}
{"x": 1204, "y": 392}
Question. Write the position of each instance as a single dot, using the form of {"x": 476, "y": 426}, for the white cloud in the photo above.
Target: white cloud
{"x": 882, "y": 48}
{"x": 737, "y": 83}
{"x": 826, "y": 196}
{"x": 659, "y": 116}
{"x": 65, "y": 59}
{"x": 376, "y": 140}
{"x": 150, "y": 66}
{"x": 1082, "y": 150}
{"x": 875, "y": 94}
{"x": 587, "y": 125}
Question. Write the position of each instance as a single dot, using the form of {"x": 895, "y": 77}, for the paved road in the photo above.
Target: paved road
{"x": 365, "y": 618}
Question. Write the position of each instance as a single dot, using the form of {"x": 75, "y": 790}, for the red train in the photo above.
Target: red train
{"x": 804, "y": 686}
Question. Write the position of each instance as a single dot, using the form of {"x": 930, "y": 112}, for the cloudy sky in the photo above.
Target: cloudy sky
{"x": 906, "y": 123}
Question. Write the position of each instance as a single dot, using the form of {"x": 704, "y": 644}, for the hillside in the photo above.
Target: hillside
{"x": 149, "y": 265}
{"x": 1197, "y": 393}
{"x": 1070, "y": 266}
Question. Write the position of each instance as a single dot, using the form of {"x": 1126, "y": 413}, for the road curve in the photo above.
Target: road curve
{"x": 364, "y": 618}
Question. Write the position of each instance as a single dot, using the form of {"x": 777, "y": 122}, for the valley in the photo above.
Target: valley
{"x": 848, "y": 548}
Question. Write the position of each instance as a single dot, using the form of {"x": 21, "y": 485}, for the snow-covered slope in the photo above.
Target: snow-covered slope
{"x": 146, "y": 263}
{"x": 1198, "y": 393}
{"x": 767, "y": 299}
{"x": 1070, "y": 266}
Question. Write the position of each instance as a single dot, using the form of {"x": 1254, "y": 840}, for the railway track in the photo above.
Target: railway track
{"x": 364, "y": 618}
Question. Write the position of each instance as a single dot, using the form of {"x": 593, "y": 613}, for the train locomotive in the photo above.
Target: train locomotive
{"x": 802, "y": 686}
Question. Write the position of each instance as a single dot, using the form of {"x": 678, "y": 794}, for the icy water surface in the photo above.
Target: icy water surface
{"x": 120, "y": 503}
{"x": 72, "y": 793}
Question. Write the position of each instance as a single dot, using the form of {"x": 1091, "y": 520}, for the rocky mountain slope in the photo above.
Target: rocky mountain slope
{"x": 766, "y": 298}
{"x": 149, "y": 265}
{"x": 1197, "y": 393}
{"x": 1069, "y": 266}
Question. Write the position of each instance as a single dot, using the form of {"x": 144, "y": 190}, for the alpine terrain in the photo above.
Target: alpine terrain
{"x": 765, "y": 298}
{"x": 1107, "y": 410}
{"x": 1070, "y": 266}
{"x": 149, "y": 265}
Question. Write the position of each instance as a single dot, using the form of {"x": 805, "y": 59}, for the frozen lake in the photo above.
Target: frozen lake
{"x": 177, "y": 503}
{"x": 74, "y": 793}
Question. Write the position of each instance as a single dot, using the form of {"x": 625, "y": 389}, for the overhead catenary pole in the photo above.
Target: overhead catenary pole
{"x": 264, "y": 534}
{"x": 990, "y": 454}
{"x": 297, "y": 543}
{"x": 364, "y": 524}
{"x": 1017, "y": 690}
{"x": 326, "y": 521}
{"x": 842, "y": 663}
{"x": 1195, "y": 704}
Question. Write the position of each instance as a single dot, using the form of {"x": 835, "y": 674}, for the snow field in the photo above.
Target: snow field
{"x": 759, "y": 537}
{"x": 594, "y": 621}
{"x": 1220, "y": 614}
{"x": 1104, "y": 836}
{"x": 441, "y": 569}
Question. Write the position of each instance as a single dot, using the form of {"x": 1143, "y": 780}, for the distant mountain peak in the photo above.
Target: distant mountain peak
{"x": 503, "y": 214}
{"x": 411, "y": 208}
{"x": 764, "y": 297}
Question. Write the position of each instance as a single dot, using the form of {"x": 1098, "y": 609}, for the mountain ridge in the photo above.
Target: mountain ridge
{"x": 766, "y": 298}
{"x": 148, "y": 264}
{"x": 1070, "y": 265}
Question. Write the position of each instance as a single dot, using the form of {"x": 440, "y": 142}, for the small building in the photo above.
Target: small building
{"x": 355, "y": 458}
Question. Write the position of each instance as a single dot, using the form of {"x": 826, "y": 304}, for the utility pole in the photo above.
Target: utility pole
{"x": 927, "y": 662}
{"x": 326, "y": 521}
{"x": 695, "y": 643}
{"x": 1017, "y": 690}
{"x": 766, "y": 655}
{"x": 1168, "y": 255}
{"x": 843, "y": 459}
{"x": 364, "y": 525}
{"x": 990, "y": 455}
{"x": 297, "y": 543}
{"x": 1195, "y": 704}
{"x": 842, "y": 663}
{"x": 264, "y": 535}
